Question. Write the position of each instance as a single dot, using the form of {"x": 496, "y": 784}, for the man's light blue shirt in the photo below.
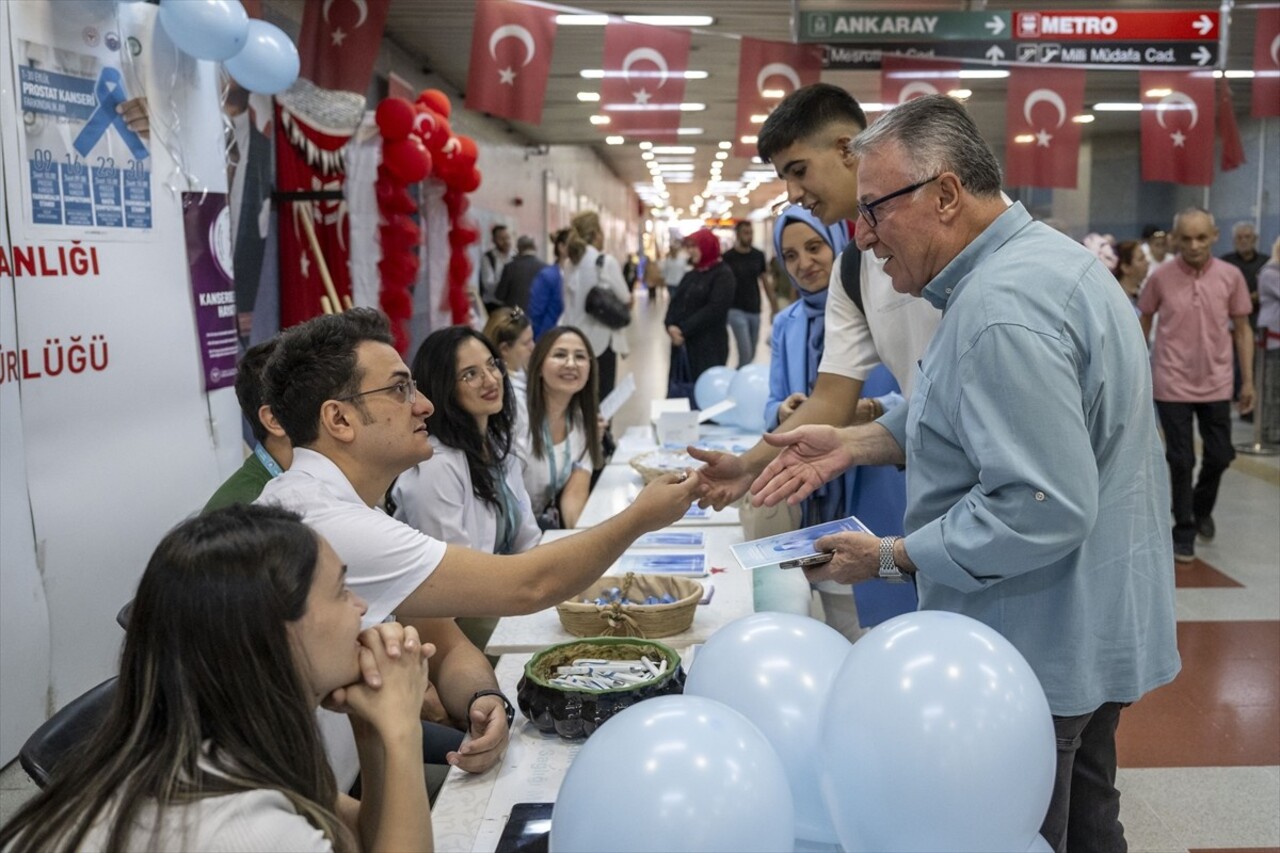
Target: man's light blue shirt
{"x": 1037, "y": 494}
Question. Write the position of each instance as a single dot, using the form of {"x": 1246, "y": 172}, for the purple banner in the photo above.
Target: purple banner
{"x": 207, "y": 221}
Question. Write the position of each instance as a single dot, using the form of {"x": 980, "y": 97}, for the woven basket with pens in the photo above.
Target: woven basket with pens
{"x": 617, "y": 619}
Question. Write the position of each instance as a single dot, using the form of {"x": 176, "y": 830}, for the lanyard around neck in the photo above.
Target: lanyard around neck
{"x": 268, "y": 462}
{"x": 556, "y": 483}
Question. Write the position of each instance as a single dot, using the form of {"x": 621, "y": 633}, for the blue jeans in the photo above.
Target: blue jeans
{"x": 1084, "y": 813}
{"x": 746, "y": 330}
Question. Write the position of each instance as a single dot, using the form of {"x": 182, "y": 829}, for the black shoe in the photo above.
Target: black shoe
{"x": 1184, "y": 553}
{"x": 1206, "y": 528}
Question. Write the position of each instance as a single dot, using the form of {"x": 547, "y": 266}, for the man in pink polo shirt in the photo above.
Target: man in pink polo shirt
{"x": 1203, "y": 304}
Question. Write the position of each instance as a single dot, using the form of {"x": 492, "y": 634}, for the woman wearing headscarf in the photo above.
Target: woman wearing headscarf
{"x": 699, "y": 312}
{"x": 876, "y": 495}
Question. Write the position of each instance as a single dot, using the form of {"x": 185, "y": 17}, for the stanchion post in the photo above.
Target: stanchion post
{"x": 1258, "y": 447}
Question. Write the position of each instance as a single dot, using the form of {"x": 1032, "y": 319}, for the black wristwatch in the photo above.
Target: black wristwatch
{"x": 506, "y": 703}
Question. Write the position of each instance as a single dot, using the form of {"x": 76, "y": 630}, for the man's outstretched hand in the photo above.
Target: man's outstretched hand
{"x": 811, "y": 456}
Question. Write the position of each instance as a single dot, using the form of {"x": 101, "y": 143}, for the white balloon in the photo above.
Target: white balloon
{"x": 777, "y": 669}
{"x": 675, "y": 773}
{"x": 937, "y": 737}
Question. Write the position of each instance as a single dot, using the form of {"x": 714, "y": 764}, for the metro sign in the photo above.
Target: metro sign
{"x": 1122, "y": 26}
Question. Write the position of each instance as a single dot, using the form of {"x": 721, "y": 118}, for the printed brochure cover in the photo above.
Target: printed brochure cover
{"x": 772, "y": 550}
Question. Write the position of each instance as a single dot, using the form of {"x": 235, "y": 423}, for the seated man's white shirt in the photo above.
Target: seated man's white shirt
{"x": 895, "y": 329}
{"x": 386, "y": 561}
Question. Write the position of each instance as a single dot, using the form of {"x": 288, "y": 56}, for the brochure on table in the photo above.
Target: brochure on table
{"x": 772, "y": 550}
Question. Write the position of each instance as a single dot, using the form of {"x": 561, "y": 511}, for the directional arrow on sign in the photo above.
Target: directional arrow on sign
{"x": 1203, "y": 25}
{"x": 995, "y": 54}
{"x": 1202, "y": 56}
{"x": 996, "y": 25}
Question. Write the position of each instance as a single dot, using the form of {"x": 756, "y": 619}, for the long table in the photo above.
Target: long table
{"x": 732, "y": 599}
{"x": 617, "y": 489}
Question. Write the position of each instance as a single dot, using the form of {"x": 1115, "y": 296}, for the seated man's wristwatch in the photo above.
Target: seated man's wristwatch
{"x": 506, "y": 704}
{"x": 888, "y": 569}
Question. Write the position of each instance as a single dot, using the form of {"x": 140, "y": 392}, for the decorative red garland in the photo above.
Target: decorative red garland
{"x": 417, "y": 142}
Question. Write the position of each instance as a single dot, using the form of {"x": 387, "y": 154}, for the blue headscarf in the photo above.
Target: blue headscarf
{"x": 815, "y": 304}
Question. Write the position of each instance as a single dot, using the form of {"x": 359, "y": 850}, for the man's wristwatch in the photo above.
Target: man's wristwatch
{"x": 506, "y": 703}
{"x": 888, "y": 569}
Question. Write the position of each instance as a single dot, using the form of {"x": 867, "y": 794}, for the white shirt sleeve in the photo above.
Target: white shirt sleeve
{"x": 431, "y": 497}
{"x": 848, "y": 349}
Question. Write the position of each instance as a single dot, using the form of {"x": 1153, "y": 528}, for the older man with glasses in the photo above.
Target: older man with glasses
{"x": 1037, "y": 500}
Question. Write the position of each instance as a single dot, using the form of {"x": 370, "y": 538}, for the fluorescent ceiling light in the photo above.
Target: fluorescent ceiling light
{"x": 960, "y": 94}
{"x": 873, "y": 107}
{"x": 646, "y": 145}
{"x": 689, "y": 131}
{"x": 1235, "y": 75}
{"x": 650, "y": 108}
{"x": 748, "y": 140}
{"x": 598, "y": 74}
{"x": 674, "y": 149}
{"x": 983, "y": 74}
{"x": 614, "y": 140}
{"x": 1084, "y": 119}
{"x": 582, "y": 20}
{"x": 600, "y": 119}
{"x": 758, "y": 118}
{"x": 1117, "y": 107}
{"x": 589, "y": 97}
{"x": 772, "y": 93}
{"x": 726, "y": 145}
{"x": 1158, "y": 93}
{"x": 671, "y": 20}
{"x": 1025, "y": 138}
{"x": 646, "y": 155}
{"x": 722, "y": 155}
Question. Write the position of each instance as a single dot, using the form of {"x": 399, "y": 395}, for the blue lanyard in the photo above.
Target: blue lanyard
{"x": 272, "y": 466}
{"x": 505, "y": 535}
{"x": 556, "y": 484}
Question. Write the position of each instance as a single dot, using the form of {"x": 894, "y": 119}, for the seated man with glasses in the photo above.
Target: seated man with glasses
{"x": 350, "y": 407}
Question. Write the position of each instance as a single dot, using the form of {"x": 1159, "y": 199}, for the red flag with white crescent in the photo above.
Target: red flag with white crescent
{"x": 643, "y": 84}
{"x": 1177, "y": 126}
{"x": 903, "y": 78}
{"x": 1266, "y": 63}
{"x": 1042, "y": 143}
{"x": 768, "y": 71}
{"x": 510, "y": 59}
{"x": 339, "y": 42}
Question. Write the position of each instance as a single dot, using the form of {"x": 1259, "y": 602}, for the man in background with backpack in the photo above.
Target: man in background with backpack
{"x": 867, "y": 322}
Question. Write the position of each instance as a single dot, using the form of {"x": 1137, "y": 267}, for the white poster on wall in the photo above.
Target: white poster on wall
{"x": 119, "y": 442}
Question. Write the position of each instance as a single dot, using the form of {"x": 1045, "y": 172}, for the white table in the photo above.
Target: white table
{"x": 617, "y": 489}
{"x": 641, "y": 439}
{"x": 732, "y": 600}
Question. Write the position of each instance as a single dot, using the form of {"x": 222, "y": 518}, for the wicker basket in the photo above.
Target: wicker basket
{"x": 655, "y": 463}
{"x": 633, "y": 620}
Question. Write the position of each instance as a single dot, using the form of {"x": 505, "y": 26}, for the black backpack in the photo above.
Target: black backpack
{"x": 604, "y": 306}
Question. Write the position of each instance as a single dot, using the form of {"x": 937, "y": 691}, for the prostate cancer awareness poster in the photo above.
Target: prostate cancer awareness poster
{"x": 85, "y": 142}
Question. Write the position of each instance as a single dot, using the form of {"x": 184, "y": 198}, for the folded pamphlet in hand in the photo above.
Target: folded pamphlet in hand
{"x": 790, "y": 548}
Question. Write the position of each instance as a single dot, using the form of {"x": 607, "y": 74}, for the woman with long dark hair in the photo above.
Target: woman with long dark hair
{"x": 471, "y": 491}
{"x": 242, "y": 625}
{"x": 561, "y": 441}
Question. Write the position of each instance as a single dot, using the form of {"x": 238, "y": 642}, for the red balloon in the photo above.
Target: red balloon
{"x": 467, "y": 151}
{"x": 431, "y": 127}
{"x": 460, "y": 264}
{"x": 469, "y": 181}
{"x": 457, "y": 203}
{"x": 437, "y": 100}
{"x": 407, "y": 160}
{"x": 395, "y": 118}
{"x": 463, "y": 234}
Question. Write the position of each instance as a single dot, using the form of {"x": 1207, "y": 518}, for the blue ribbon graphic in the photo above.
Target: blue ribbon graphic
{"x": 109, "y": 90}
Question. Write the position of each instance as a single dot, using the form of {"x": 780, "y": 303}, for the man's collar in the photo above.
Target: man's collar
{"x": 321, "y": 467}
{"x": 945, "y": 284}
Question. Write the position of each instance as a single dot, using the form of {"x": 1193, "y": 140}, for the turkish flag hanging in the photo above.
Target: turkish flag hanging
{"x": 903, "y": 78}
{"x": 510, "y": 59}
{"x": 1042, "y": 143}
{"x": 339, "y": 42}
{"x": 776, "y": 67}
{"x": 1177, "y": 126}
{"x": 643, "y": 84}
{"x": 1266, "y": 63}
{"x": 1228, "y": 130}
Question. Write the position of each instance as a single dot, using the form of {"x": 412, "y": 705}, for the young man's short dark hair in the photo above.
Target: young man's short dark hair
{"x": 316, "y": 361}
{"x": 249, "y": 390}
{"x": 495, "y": 230}
{"x": 804, "y": 113}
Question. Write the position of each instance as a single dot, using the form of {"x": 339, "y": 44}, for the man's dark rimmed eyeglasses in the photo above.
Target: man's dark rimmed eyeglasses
{"x": 406, "y": 388}
{"x": 868, "y": 210}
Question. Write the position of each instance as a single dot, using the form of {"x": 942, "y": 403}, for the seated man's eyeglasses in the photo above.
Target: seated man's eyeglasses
{"x": 406, "y": 390}
{"x": 868, "y": 209}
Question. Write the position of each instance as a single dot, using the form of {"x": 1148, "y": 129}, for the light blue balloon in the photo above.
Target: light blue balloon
{"x": 269, "y": 62}
{"x": 1039, "y": 845}
{"x": 206, "y": 29}
{"x": 777, "y": 669}
{"x": 712, "y": 386}
{"x": 750, "y": 390}
{"x": 940, "y": 705}
{"x": 674, "y": 773}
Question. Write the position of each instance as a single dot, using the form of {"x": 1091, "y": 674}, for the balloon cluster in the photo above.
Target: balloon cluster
{"x": 257, "y": 55}
{"x": 931, "y": 733}
{"x": 418, "y": 143}
{"x": 747, "y": 386}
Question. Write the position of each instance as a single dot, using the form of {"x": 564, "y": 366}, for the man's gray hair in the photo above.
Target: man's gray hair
{"x": 1191, "y": 211}
{"x": 1242, "y": 225}
{"x": 939, "y": 136}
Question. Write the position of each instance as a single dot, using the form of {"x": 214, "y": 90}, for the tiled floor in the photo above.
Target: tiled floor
{"x": 1199, "y": 758}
